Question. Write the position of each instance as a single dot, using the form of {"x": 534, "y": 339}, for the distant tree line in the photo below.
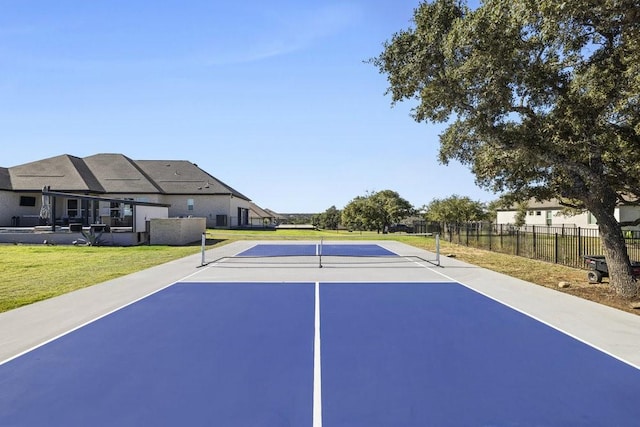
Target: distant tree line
{"x": 378, "y": 211}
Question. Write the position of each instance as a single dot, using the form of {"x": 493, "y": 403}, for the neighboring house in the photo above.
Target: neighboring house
{"x": 188, "y": 190}
{"x": 550, "y": 213}
{"x": 277, "y": 218}
{"x": 259, "y": 217}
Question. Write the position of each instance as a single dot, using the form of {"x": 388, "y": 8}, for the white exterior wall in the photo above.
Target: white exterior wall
{"x": 147, "y": 213}
{"x": 580, "y": 220}
{"x": 9, "y": 202}
{"x": 506, "y": 217}
{"x": 536, "y": 217}
{"x": 176, "y": 231}
{"x": 624, "y": 213}
{"x": 627, "y": 214}
{"x": 10, "y": 207}
{"x": 557, "y": 218}
{"x": 206, "y": 207}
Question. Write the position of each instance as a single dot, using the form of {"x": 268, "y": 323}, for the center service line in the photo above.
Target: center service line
{"x": 317, "y": 371}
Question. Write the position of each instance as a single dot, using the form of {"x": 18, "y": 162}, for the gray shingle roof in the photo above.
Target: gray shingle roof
{"x": 113, "y": 173}
{"x": 259, "y": 211}
{"x": 5, "y": 179}
{"x": 119, "y": 174}
{"x": 183, "y": 177}
{"x": 62, "y": 173}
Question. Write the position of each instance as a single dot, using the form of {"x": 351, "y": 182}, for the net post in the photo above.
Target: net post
{"x": 202, "y": 247}
{"x": 438, "y": 249}
{"x": 320, "y": 253}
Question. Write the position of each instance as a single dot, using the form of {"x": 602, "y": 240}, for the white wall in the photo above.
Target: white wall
{"x": 582, "y": 220}
{"x": 629, "y": 213}
{"x": 9, "y": 202}
{"x": 146, "y": 213}
{"x": 506, "y": 217}
{"x": 206, "y": 206}
{"x": 176, "y": 231}
{"x": 537, "y": 217}
{"x": 10, "y": 206}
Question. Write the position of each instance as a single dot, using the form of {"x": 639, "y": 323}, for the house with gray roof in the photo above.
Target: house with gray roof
{"x": 551, "y": 213}
{"x": 187, "y": 190}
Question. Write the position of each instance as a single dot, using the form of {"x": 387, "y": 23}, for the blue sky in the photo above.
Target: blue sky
{"x": 273, "y": 98}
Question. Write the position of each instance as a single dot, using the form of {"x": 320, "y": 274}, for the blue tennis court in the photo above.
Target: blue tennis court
{"x": 391, "y": 354}
{"x": 281, "y": 250}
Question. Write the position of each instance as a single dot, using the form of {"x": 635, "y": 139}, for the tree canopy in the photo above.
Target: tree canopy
{"x": 329, "y": 219}
{"x": 542, "y": 100}
{"x": 455, "y": 210}
{"x": 376, "y": 211}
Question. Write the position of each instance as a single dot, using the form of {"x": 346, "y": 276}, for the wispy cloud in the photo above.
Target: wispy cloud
{"x": 281, "y": 34}
{"x": 241, "y": 36}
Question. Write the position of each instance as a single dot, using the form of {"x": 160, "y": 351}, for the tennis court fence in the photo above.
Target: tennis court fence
{"x": 563, "y": 245}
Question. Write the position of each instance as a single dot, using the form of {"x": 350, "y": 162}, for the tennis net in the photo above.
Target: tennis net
{"x": 322, "y": 253}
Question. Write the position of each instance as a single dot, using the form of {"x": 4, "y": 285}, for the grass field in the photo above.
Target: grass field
{"x": 35, "y": 272}
{"x": 32, "y": 273}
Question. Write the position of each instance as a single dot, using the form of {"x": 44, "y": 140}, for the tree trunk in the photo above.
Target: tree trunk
{"x": 620, "y": 272}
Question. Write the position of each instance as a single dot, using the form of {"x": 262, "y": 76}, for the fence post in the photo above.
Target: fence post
{"x": 579, "y": 243}
{"x": 517, "y": 242}
{"x": 466, "y": 226}
{"x": 555, "y": 252}
{"x": 535, "y": 246}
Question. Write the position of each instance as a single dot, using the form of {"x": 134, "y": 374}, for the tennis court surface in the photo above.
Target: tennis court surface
{"x": 260, "y": 335}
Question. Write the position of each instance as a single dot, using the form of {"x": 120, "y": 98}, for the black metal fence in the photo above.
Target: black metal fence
{"x": 559, "y": 245}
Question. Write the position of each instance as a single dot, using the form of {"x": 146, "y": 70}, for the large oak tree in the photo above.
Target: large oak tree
{"x": 376, "y": 211}
{"x": 541, "y": 98}
{"x": 455, "y": 210}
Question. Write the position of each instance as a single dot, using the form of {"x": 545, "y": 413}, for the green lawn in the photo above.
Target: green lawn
{"x": 32, "y": 273}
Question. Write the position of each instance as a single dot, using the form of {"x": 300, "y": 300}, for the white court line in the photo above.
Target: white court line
{"x": 317, "y": 369}
{"x": 82, "y": 325}
{"x": 592, "y": 345}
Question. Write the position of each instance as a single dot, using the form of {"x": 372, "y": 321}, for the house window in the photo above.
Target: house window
{"x": 114, "y": 210}
{"x": 538, "y": 213}
{"x": 127, "y": 208}
{"x": 189, "y": 204}
{"x": 73, "y": 208}
{"x": 221, "y": 220}
{"x": 591, "y": 220}
{"x": 27, "y": 201}
{"x": 530, "y": 213}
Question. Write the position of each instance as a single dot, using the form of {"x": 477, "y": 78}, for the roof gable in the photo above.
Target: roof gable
{"x": 5, "y": 179}
{"x": 184, "y": 177}
{"x": 62, "y": 173}
{"x": 259, "y": 211}
{"x": 119, "y": 174}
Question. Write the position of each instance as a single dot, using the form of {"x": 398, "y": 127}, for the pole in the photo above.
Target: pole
{"x": 204, "y": 241}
